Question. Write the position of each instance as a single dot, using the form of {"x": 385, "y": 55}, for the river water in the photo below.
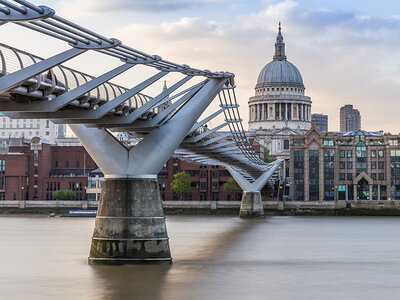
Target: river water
{"x": 214, "y": 258}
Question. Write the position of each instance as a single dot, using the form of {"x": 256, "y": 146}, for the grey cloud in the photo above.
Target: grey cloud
{"x": 154, "y": 6}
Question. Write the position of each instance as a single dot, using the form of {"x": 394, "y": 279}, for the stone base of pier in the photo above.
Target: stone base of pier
{"x": 130, "y": 224}
{"x": 251, "y": 206}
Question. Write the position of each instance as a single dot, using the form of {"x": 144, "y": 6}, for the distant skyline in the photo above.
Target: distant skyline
{"x": 348, "y": 52}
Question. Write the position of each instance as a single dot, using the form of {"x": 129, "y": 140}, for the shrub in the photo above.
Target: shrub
{"x": 64, "y": 195}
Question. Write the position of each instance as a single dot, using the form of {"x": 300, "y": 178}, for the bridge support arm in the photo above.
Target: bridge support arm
{"x": 130, "y": 225}
{"x": 251, "y": 205}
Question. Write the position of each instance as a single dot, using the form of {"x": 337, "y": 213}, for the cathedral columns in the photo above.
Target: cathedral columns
{"x": 257, "y": 112}
{"x": 265, "y": 111}
{"x": 286, "y": 111}
{"x": 300, "y": 112}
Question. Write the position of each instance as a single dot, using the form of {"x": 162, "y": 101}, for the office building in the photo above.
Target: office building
{"x": 354, "y": 165}
{"x": 350, "y": 118}
{"x": 321, "y": 121}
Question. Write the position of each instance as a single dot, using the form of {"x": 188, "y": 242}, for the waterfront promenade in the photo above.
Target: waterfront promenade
{"x": 328, "y": 208}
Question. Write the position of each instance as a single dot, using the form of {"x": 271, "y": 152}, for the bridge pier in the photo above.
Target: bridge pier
{"x": 130, "y": 224}
{"x": 251, "y": 206}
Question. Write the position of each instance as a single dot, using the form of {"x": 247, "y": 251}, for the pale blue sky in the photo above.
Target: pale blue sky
{"x": 347, "y": 51}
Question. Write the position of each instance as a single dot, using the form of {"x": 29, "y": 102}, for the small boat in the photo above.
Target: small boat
{"x": 81, "y": 213}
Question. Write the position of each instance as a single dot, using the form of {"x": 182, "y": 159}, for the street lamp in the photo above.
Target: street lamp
{"x": 335, "y": 191}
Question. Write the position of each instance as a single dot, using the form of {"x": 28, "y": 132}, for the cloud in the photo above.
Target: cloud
{"x": 95, "y": 7}
{"x": 344, "y": 57}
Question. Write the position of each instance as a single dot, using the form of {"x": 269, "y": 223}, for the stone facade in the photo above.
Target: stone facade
{"x": 355, "y": 165}
{"x": 29, "y": 128}
{"x": 279, "y": 109}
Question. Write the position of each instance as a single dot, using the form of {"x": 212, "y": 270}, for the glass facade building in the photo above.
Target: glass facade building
{"x": 355, "y": 165}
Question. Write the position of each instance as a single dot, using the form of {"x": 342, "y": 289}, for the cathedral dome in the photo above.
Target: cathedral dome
{"x": 280, "y": 71}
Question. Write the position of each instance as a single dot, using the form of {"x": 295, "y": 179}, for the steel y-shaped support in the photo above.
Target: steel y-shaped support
{"x": 130, "y": 224}
{"x": 251, "y": 205}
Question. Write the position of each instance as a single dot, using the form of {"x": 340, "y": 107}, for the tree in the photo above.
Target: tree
{"x": 231, "y": 187}
{"x": 182, "y": 184}
{"x": 64, "y": 195}
{"x": 267, "y": 158}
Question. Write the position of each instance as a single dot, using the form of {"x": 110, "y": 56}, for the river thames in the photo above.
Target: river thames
{"x": 214, "y": 257}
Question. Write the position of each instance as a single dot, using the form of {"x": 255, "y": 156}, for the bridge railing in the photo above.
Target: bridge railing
{"x": 61, "y": 79}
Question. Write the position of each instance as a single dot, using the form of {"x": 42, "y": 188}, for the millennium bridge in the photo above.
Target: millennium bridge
{"x": 130, "y": 224}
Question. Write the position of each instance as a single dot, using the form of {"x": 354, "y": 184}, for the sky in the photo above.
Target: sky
{"x": 347, "y": 51}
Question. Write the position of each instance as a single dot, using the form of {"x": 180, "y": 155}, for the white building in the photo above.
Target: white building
{"x": 279, "y": 108}
{"x": 29, "y": 128}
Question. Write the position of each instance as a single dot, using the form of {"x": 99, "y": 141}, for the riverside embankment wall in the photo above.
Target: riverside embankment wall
{"x": 360, "y": 207}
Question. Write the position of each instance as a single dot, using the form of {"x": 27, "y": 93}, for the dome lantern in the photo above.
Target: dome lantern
{"x": 280, "y": 71}
{"x": 279, "y": 46}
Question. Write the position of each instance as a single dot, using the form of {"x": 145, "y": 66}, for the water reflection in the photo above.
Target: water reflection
{"x": 195, "y": 246}
{"x": 214, "y": 258}
{"x": 131, "y": 282}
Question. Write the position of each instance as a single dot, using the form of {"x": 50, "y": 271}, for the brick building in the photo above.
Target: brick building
{"x": 355, "y": 165}
{"x": 207, "y": 181}
{"x": 33, "y": 171}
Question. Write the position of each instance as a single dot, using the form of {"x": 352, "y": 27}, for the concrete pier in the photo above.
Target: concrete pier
{"x": 130, "y": 224}
{"x": 251, "y": 206}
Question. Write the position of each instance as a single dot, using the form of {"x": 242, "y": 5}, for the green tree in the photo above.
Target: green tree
{"x": 267, "y": 158}
{"x": 231, "y": 187}
{"x": 64, "y": 195}
{"x": 182, "y": 184}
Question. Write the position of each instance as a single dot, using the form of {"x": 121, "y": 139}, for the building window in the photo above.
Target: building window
{"x": 380, "y": 153}
{"x": 373, "y": 153}
{"x": 373, "y": 165}
{"x": 67, "y": 164}
{"x": 381, "y": 176}
{"x": 342, "y": 153}
{"x": 286, "y": 144}
{"x": 298, "y": 142}
{"x": 342, "y": 165}
{"x": 77, "y": 164}
{"x": 329, "y": 171}
{"x": 298, "y": 175}
{"x": 328, "y": 142}
{"x": 373, "y": 176}
{"x": 342, "y": 176}
{"x": 381, "y": 165}
{"x": 361, "y": 154}
{"x": 349, "y": 176}
{"x": 314, "y": 174}
{"x": 47, "y": 123}
{"x": 349, "y": 153}
{"x": 2, "y": 183}
{"x": 2, "y": 166}
{"x": 203, "y": 185}
{"x": 349, "y": 165}
{"x": 56, "y": 163}
{"x": 47, "y": 133}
